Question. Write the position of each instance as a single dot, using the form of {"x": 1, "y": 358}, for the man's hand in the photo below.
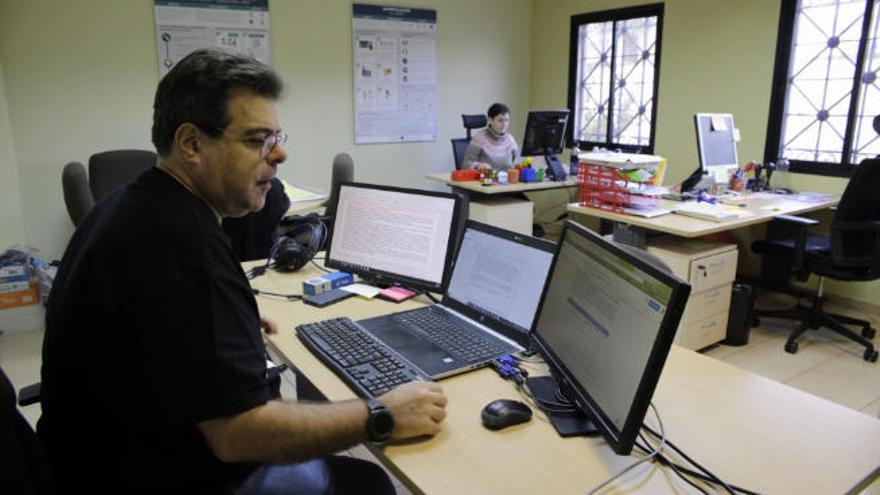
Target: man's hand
{"x": 417, "y": 408}
{"x": 269, "y": 327}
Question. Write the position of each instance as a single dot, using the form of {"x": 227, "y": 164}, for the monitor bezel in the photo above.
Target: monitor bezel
{"x": 620, "y": 440}
{"x": 531, "y": 119}
{"x": 521, "y": 338}
{"x": 701, "y": 153}
{"x": 381, "y": 276}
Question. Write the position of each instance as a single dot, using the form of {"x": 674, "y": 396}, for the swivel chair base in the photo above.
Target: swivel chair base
{"x": 814, "y": 317}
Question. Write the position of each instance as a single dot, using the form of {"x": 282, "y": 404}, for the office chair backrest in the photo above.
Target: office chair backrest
{"x": 77, "y": 196}
{"x": 24, "y": 467}
{"x": 113, "y": 169}
{"x": 860, "y": 200}
{"x": 854, "y": 241}
{"x": 343, "y": 171}
{"x": 473, "y": 121}
{"x": 459, "y": 145}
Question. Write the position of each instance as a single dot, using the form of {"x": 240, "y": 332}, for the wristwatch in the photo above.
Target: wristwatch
{"x": 380, "y": 423}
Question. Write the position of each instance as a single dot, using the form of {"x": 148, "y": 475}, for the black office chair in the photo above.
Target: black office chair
{"x": 107, "y": 172}
{"x": 459, "y": 145}
{"x": 473, "y": 121}
{"x": 851, "y": 253}
{"x": 24, "y": 466}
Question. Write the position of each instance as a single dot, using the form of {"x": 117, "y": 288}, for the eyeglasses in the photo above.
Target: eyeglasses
{"x": 270, "y": 142}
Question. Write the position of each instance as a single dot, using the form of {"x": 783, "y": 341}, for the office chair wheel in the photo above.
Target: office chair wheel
{"x": 870, "y": 355}
{"x": 792, "y": 347}
{"x": 755, "y": 322}
{"x": 869, "y": 333}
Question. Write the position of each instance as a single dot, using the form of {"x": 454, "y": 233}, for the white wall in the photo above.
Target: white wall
{"x": 80, "y": 78}
{"x": 11, "y": 220}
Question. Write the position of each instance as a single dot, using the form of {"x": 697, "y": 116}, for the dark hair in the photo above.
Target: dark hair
{"x": 198, "y": 88}
{"x": 497, "y": 109}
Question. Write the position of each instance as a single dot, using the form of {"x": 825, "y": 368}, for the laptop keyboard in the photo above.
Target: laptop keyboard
{"x": 444, "y": 331}
{"x": 366, "y": 364}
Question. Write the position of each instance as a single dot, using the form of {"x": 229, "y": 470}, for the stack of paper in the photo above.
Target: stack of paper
{"x": 705, "y": 211}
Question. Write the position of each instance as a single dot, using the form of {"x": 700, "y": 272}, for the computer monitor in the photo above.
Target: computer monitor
{"x": 716, "y": 148}
{"x": 605, "y": 327}
{"x": 545, "y": 136}
{"x": 394, "y": 236}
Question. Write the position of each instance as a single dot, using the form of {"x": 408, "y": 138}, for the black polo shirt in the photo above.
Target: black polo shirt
{"x": 151, "y": 328}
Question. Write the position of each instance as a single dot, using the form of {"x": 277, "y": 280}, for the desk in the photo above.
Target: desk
{"x": 759, "y": 209}
{"x": 301, "y": 207}
{"x": 473, "y": 188}
{"x": 749, "y": 430}
{"x": 503, "y": 206}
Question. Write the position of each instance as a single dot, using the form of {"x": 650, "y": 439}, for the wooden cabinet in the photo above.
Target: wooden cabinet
{"x": 710, "y": 268}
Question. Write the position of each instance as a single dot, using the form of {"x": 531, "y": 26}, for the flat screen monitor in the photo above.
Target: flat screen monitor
{"x": 716, "y": 140}
{"x": 391, "y": 235}
{"x": 716, "y": 149}
{"x": 605, "y": 327}
{"x": 545, "y": 136}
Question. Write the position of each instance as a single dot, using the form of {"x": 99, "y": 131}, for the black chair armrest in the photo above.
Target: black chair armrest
{"x": 797, "y": 228}
{"x": 29, "y": 395}
{"x": 808, "y": 222}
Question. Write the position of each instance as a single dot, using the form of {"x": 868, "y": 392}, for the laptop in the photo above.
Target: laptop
{"x": 491, "y": 301}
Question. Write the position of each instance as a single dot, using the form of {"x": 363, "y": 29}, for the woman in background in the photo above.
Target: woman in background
{"x": 492, "y": 147}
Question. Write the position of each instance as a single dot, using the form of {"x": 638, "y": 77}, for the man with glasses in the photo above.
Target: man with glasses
{"x": 154, "y": 370}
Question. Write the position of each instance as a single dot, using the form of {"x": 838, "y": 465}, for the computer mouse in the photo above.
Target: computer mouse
{"x": 502, "y": 413}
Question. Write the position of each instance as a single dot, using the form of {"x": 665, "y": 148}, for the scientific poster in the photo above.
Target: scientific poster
{"x": 395, "y": 74}
{"x": 237, "y": 26}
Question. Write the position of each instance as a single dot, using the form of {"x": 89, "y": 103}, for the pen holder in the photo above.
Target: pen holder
{"x": 738, "y": 184}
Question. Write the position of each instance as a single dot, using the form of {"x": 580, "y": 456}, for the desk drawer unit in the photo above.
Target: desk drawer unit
{"x": 710, "y": 268}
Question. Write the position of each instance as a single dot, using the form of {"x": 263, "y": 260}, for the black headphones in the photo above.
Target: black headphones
{"x": 302, "y": 237}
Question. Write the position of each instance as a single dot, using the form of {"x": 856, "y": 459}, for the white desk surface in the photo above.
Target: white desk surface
{"x": 749, "y": 430}
{"x": 758, "y": 210}
{"x": 497, "y": 189}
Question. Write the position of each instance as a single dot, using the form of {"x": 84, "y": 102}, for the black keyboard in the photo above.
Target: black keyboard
{"x": 365, "y": 363}
{"x": 443, "y": 329}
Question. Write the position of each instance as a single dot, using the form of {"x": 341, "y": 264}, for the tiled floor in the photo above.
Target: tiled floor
{"x": 826, "y": 365}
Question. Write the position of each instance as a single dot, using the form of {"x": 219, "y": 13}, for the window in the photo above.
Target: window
{"x": 825, "y": 90}
{"x": 614, "y": 65}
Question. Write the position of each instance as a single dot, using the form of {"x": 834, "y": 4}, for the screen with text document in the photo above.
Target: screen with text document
{"x": 396, "y": 232}
{"x": 499, "y": 277}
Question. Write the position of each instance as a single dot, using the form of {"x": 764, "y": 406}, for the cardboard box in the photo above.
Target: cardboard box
{"x": 19, "y": 298}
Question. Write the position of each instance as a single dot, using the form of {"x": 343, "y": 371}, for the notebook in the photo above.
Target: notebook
{"x": 493, "y": 295}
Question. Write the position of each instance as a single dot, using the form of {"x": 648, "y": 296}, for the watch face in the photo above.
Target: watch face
{"x": 380, "y": 422}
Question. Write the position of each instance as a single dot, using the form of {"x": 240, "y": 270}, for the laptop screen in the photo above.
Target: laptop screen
{"x": 499, "y": 275}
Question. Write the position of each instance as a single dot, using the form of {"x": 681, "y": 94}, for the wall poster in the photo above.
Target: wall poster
{"x": 395, "y": 74}
{"x": 237, "y": 26}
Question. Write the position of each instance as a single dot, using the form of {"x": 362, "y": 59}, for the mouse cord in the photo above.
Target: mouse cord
{"x": 641, "y": 461}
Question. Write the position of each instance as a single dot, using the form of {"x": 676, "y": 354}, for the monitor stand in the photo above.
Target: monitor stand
{"x": 554, "y": 167}
{"x": 567, "y": 424}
